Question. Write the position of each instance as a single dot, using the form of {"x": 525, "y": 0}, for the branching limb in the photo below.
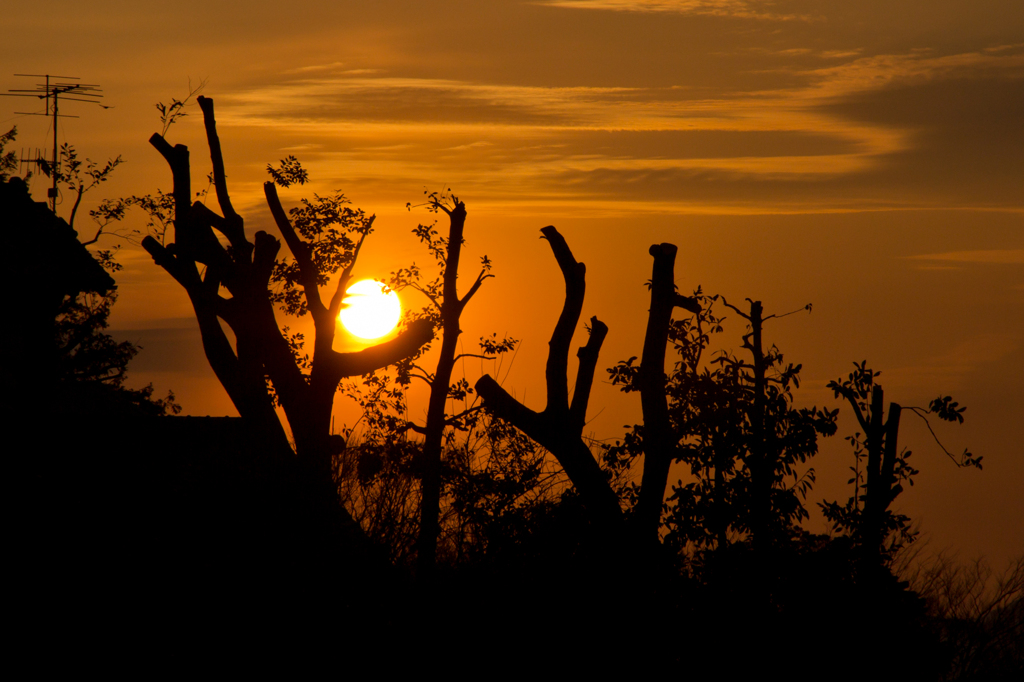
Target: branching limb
{"x": 457, "y": 418}
{"x": 568, "y": 448}
{"x": 852, "y": 399}
{"x": 556, "y": 370}
{"x": 422, "y": 430}
{"x": 739, "y": 312}
{"x": 346, "y": 276}
{"x": 473, "y": 289}
{"x": 177, "y": 158}
{"x": 428, "y": 294}
{"x": 965, "y": 460}
{"x": 301, "y": 251}
{"x": 217, "y": 158}
{"x": 462, "y": 356}
{"x": 183, "y": 270}
{"x": 377, "y": 357}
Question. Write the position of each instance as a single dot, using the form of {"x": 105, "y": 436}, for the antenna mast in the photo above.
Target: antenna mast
{"x": 53, "y": 90}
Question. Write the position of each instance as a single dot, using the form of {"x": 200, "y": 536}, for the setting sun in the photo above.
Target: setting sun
{"x": 370, "y": 312}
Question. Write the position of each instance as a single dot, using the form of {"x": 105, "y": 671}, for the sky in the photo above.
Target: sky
{"x": 867, "y": 158}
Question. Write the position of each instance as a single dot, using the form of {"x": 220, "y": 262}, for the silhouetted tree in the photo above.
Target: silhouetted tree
{"x": 324, "y": 239}
{"x": 866, "y": 517}
{"x": 779, "y": 438}
{"x": 444, "y": 460}
{"x": 658, "y": 440}
{"x": 559, "y": 427}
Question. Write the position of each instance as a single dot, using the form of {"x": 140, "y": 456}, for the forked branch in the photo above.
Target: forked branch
{"x": 559, "y": 428}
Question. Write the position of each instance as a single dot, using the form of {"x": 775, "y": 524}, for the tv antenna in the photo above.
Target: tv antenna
{"x": 52, "y": 90}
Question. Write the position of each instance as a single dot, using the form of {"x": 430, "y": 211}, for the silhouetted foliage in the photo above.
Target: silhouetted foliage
{"x": 8, "y": 160}
{"x": 92, "y": 366}
{"x": 176, "y": 110}
{"x": 880, "y": 468}
{"x": 77, "y": 176}
{"x": 730, "y": 419}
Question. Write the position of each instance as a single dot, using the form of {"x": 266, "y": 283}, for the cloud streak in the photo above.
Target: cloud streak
{"x": 631, "y": 143}
{"x": 1003, "y": 256}
{"x": 746, "y": 9}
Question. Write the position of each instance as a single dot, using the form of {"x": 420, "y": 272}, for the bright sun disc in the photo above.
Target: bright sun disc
{"x": 370, "y": 312}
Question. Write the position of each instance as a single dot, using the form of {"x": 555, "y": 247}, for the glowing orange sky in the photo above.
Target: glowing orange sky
{"x": 867, "y": 158}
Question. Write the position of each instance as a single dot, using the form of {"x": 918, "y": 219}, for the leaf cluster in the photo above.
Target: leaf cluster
{"x": 175, "y": 111}
{"x": 8, "y": 160}
{"x": 77, "y": 174}
{"x": 331, "y": 229}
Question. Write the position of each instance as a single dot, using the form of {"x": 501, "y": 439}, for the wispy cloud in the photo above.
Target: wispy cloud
{"x": 636, "y": 143}
{"x": 877, "y": 72}
{"x": 313, "y": 68}
{"x": 750, "y": 9}
{"x": 949, "y": 370}
{"x": 1014, "y": 256}
{"x": 490, "y": 113}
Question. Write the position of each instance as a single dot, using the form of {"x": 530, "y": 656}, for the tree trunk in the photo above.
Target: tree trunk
{"x": 659, "y": 439}
{"x": 433, "y": 441}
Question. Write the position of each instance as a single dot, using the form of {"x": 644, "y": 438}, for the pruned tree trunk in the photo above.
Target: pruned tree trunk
{"x": 880, "y": 487}
{"x": 761, "y": 467}
{"x": 658, "y": 436}
{"x": 260, "y": 350}
{"x": 559, "y": 427}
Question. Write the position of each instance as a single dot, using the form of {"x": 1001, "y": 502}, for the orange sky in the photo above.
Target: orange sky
{"x": 866, "y": 159}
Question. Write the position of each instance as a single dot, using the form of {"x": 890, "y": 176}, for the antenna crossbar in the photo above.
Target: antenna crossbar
{"x": 56, "y": 88}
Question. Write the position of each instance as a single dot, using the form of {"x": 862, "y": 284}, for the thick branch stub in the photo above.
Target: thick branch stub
{"x": 217, "y": 158}
{"x": 588, "y": 356}
{"x": 383, "y": 354}
{"x": 557, "y": 368}
{"x": 177, "y": 158}
{"x": 687, "y": 303}
{"x": 892, "y": 430}
{"x": 265, "y": 250}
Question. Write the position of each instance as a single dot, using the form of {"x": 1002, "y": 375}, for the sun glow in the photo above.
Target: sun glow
{"x": 371, "y": 311}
